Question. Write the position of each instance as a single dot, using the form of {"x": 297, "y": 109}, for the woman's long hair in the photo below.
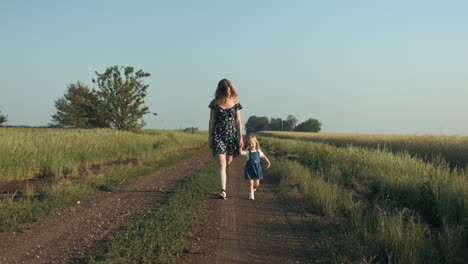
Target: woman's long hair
{"x": 224, "y": 91}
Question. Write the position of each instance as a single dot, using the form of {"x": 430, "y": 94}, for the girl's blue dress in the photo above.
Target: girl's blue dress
{"x": 253, "y": 169}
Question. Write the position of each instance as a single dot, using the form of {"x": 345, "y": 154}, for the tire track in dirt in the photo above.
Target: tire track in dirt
{"x": 244, "y": 231}
{"x": 83, "y": 229}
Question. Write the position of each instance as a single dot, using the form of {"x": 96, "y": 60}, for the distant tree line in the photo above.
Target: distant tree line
{"x": 118, "y": 102}
{"x": 256, "y": 123}
{"x": 3, "y": 118}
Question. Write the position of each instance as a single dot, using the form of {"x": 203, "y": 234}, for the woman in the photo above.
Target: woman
{"x": 225, "y": 130}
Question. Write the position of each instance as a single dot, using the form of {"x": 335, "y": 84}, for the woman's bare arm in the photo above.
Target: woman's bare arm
{"x": 210, "y": 129}
{"x": 239, "y": 129}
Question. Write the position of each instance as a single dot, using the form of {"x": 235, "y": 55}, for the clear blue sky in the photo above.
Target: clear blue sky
{"x": 356, "y": 66}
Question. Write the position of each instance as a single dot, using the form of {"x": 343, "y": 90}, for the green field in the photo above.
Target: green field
{"x": 391, "y": 199}
{"x": 453, "y": 149}
{"x": 390, "y": 207}
{"x": 64, "y": 154}
{"x": 26, "y": 153}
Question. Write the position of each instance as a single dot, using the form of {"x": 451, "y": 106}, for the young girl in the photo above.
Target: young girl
{"x": 253, "y": 170}
{"x": 225, "y": 130}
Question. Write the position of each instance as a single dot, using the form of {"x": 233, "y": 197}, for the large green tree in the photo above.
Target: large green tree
{"x": 78, "y": 108}
{"x": 3, "y": 118}
{"x": 121, "y": 93}
{"x": 310, "y": 125}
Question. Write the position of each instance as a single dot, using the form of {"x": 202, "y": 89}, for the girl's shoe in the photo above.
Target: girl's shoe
{"x": 251, "y": 196}
{"x": 222, "y": 195}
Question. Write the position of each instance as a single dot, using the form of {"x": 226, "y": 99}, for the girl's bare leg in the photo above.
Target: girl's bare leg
{"x": 251, "y": 183}
{"x": 256, "y": 184}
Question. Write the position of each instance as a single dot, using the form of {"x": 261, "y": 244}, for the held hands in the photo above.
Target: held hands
{"x": 241, "y": 143}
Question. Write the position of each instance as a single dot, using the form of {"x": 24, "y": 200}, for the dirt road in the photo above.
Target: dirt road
{"x": 245, "y": 231}
{"x": 80, "y": 230}
{"x": 238, "y": 230}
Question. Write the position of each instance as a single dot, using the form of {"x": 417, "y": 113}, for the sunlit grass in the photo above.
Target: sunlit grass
{"x": 26, "y": 152}
{"x": 312, "y": 192}
{"x": 404, "y": 209}
{"x": 56, "y": 153}
{"x": 453, "y": 149}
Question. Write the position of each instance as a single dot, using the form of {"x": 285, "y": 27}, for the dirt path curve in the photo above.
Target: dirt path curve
{"x": 80, "y": 230}
{"x": 245, "y": 231}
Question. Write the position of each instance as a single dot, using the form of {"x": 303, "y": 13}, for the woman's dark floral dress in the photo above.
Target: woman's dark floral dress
{"x": 225, "y": 138}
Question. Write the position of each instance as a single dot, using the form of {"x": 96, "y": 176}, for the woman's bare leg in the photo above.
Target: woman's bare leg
{"x": 228, "y": 165}
{"x": 222, "y": 166}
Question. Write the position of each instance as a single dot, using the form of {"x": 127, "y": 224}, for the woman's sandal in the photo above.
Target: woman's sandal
{"x": 222, "y": 195}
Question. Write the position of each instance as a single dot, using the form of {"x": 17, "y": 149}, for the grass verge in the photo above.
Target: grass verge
{"x": 161, "y": 236}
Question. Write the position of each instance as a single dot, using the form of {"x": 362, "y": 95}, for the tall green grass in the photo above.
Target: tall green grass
{"x": 453, "y": 149}
{"x": 311, "y": 191}
{"x": 403, "y": 209}
{"x": 26, "y": 152}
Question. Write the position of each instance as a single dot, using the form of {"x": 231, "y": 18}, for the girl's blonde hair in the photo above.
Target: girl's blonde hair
{"x": 223, "y": 92}
{"x": 253, "y": 138}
